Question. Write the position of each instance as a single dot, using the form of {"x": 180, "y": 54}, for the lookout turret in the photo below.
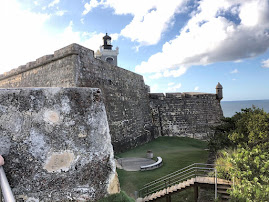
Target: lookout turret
{"x": 106, "y": 53}
{"x": 219, "y": 91}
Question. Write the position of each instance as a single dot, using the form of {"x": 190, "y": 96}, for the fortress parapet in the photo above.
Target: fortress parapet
{"x": 162, "y": 96}
{"x": 72, "y": 49}
{"x": 159, "y": 96}
{"x": 187, "y": 114}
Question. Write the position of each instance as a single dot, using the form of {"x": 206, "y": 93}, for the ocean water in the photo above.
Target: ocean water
{"x": 229, "y": 108}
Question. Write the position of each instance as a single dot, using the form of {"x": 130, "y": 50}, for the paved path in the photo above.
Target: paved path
{"x": 133, "y": 164}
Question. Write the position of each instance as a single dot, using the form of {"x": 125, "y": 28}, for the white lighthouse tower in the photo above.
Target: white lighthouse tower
{"x": 106, "y": 53}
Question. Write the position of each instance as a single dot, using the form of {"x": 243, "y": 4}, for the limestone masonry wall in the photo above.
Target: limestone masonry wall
{"x": 185, "y": 114}
{"x": 56, "y": 143}
{"x": 57, "y": 70}
{"x": 134, "y": 116}
{"x": 126, "y": 98}
{"x": 125, "y": 93}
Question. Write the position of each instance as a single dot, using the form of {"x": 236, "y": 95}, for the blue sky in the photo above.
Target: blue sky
{"x": 177, "y": 45}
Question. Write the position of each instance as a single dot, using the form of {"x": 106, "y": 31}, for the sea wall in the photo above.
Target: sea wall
{"x": 56, "y": 144}
{"x": 125, "y": 93}
{"x": 185, "y": 114}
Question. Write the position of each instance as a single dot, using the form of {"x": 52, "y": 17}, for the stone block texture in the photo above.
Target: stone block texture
{"x": 125, "y": 93}
{"x": 134, "y": 116}
{"x": 185, "y": 114}
{"x": 56, "y": 143}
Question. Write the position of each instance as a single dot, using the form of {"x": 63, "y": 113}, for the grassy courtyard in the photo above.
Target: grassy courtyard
{"x": 176, "y": 153}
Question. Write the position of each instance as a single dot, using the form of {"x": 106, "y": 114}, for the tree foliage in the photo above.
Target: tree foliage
{"x": 220, "y": 139}
{"x": 252, "y": 128}
{"x": 248, "y": 164}
{"x": 250, "y": 170}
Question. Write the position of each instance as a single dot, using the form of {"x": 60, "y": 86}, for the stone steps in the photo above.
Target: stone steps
{"x": 223, "y": 186}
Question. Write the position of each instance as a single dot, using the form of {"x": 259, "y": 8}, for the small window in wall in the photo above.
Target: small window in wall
{"x": 109, "y": 60}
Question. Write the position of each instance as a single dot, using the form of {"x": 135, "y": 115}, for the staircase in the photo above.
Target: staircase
{"x": 222, "y": 191}
{"x": 194, "y": 175}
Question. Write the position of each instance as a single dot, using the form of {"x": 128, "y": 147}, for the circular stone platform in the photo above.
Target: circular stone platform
{"x": 133, "y": 164}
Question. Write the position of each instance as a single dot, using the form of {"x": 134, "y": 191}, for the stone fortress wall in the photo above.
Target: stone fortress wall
{"x": 185, "y": 114}
{"x": 55, "y": 123}
{"x": 125, "y": 93}
{"x": 135, "y": 116}
{"x": 57, "y": 145}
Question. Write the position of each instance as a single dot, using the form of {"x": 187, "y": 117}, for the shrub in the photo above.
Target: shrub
{"x": 248, "y": 164}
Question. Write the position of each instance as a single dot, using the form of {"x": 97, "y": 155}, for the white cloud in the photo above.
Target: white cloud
{"x": 174, "y": 88}
{"x": 18, "y": 38}
{"x": 60, "y": 12}
{"x": 29, "y": 38}
{"x": 250, "y": 13}
{"x": 82, "y": 21}
{"x": 175, "y": 73}
{"x": 210, "y": 37}
{"x": 154, "y": 88}
{"x": 235, "y": 71}
{"x": 150, "y": 18}
{"x": 170, "y": 84}
{"x": 94, "y": 41}
{"x": 156, "y": 76}
{"x": 114, "y": 36}
{"x": 69, "y": 36}
{"x": 89, "y": 6}
{"x": 148, "y": 25}
{"x": 238, "y": 61}
{"x": 265, "y": 63}
{"x": 53, "y": 3}
{"x": 196, "y": 88}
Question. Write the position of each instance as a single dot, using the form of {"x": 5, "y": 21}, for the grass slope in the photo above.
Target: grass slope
{"x": 120, "y": 197}
{"x": 176, "y": 152}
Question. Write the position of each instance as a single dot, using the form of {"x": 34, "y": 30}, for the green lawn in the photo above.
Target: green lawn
{"x": 120, "y": 197}
{"x": 176, "y": 153}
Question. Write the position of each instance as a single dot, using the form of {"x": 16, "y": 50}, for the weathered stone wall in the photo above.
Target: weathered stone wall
{"x": 57, "y": 70}
{"x": 185, "y": 114}
{"x": 56, "y": 143}
{"x": 126, "y": 98}
{"x": 125, "y": 94}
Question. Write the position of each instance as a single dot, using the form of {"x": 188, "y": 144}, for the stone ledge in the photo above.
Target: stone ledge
{"x": 162, "y": 96}
{"x": 153, "y": 166}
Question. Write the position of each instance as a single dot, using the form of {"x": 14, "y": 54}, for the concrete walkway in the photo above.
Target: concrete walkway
{"x": 133, "y": 164}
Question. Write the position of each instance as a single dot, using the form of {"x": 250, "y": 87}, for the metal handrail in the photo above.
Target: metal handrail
{"x": 191, "y": 171}
{"x": 169, "y": 175}
{"x": 6, "y": 190}
{"x": 179, "y": 171}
